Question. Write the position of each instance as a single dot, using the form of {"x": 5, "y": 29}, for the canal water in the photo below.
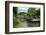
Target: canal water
{"x": 29, "y": 24}
{"x": 23, "y": 24}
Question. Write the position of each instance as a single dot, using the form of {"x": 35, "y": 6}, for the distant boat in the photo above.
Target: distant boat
{"x": 35, "y": 20}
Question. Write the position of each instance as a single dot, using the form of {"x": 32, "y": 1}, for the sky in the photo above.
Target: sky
{"x": 22, "y": 9}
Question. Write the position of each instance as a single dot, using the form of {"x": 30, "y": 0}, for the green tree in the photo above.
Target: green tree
{"x": 34, "y": 12}
{"x": 14, "y": 16}
{"x": 38, "y": 12}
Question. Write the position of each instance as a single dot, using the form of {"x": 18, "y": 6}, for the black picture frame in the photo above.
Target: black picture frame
{"x": 7, "y": 16}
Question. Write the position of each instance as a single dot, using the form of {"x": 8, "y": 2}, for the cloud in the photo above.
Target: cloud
{"x": 22, "y": 9}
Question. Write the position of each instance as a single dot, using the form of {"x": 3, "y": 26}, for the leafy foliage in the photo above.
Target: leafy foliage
{"x": 34, "y": 12}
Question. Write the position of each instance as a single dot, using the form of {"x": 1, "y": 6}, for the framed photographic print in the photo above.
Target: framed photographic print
{"x": 24, "y": 17}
